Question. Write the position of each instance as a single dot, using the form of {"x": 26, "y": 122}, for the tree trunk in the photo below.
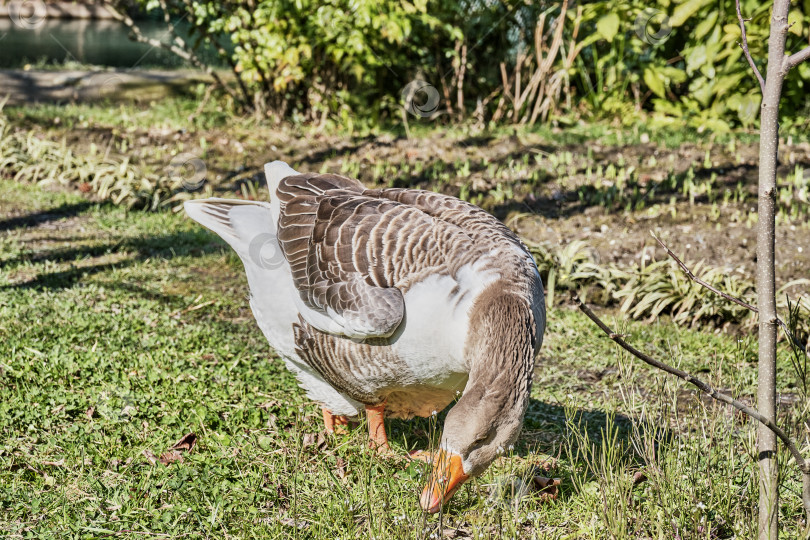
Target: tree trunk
{"x": 766, "y": 281}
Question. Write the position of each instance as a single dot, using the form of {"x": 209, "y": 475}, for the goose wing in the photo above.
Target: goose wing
{"x": 483, "y": 228}
{"x": 353, "y": 252}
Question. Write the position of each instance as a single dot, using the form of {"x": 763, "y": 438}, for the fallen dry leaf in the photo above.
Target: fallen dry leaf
{"x": 299, "y": 524}
{"x": 549, "y": 488}
{"x": 175, "y": 453}
{"x": 171, "y": 456}
{"x": 340, "y": 468}
{"x": 269, "y": 405}
{"x": 314, "y": 439}
{"x": 150, "y": 456}
{"x": 459, "y": 532}
{"x": 549, "y": 464}
{"x": 186, "y": 443}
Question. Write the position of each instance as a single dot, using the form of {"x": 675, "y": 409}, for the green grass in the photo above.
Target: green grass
{"x": 121, "y": 332}
{"x": 172, "y": 113}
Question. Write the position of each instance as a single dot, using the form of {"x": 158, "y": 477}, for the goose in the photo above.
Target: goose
{"x": 393, "y": 303}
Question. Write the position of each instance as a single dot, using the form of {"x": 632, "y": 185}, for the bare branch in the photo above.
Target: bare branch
{"x": 744, "y": 46}
{"x": 728, "y": 297}
{"x": 806, "y": 497}
{"x": 797, "y": 58}
{"x": 804, "y": 465}
{"x": 699, "y": 281}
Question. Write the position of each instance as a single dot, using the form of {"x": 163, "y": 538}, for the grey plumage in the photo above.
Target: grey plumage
{"x": 401, "y": 297}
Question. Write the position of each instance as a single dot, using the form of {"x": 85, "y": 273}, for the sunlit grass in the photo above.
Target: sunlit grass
{"x": 121, "y": 332}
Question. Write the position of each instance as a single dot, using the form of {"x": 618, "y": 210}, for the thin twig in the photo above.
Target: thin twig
{"x": 728, "y": 297}
{"x": 804, "y": 465}
{"x": 797, "y": 58}
{"x": 699, "y": 281}
{"x": 744, "y": 46}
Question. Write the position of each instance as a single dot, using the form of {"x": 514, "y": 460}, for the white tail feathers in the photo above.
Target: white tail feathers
{"x": 275, "y": 172}
{"x": 247, "y": 226}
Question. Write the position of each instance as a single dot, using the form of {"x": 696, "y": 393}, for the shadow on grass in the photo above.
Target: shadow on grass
{"x": 553, "y": 431}
{"x": 544, "y": 427}
{"x": 351, "y": 147}
{"x": 38, "y": 218}
{"x": 88, "y": 260}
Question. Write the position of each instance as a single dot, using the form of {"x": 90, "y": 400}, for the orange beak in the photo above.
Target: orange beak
{"x": 445, "y": 479}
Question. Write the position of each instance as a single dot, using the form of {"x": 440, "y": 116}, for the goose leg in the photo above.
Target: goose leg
{"x": 376, "y": 427}
{"x": 334, "y": 422}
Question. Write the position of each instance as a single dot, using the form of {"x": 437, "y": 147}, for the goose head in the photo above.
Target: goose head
{"x": 487, "y": 419}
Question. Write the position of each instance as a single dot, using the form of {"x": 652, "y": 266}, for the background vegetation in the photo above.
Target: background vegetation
{"x": 506, "y": 61}
{"x": 583, "y": 126}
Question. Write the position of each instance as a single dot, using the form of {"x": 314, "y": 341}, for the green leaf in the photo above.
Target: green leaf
{"x": 684, "y": 11}
{"x": 695, "y": 58}
{"x": 654, "y": 82}
{"x": 712, "y": 124}
{"x": 795, "y": 22}
{"x": 732, "y": 30}
{"x": 674, "y": 74}
{"x": 706, "y": 25}
{"x": 748, "y": 108}
{"x": 608, "y": 26}
{"x": 727, "y": 82}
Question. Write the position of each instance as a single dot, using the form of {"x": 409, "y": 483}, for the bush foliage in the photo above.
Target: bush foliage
{"x": 322, "y": 60}
{"x": 308, "y": 60}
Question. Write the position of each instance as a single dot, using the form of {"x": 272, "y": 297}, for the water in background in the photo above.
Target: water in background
{"x": 96, "y": 42}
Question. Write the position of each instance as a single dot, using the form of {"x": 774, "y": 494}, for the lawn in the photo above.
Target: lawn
{"x": 121, "y": 332}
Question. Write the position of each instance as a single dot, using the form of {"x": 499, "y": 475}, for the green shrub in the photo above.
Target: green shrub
{"x": 337, "y": 61}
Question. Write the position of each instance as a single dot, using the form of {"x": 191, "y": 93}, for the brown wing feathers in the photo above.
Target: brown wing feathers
{"x": 321, "y": 227}
{"x": 475, "y": 222}
{"x": 352, "y": 251}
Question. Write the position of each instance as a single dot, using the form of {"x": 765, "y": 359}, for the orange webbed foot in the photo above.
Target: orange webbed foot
{"x": 421, "y": 455}
{"x": 334, "y": 423}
